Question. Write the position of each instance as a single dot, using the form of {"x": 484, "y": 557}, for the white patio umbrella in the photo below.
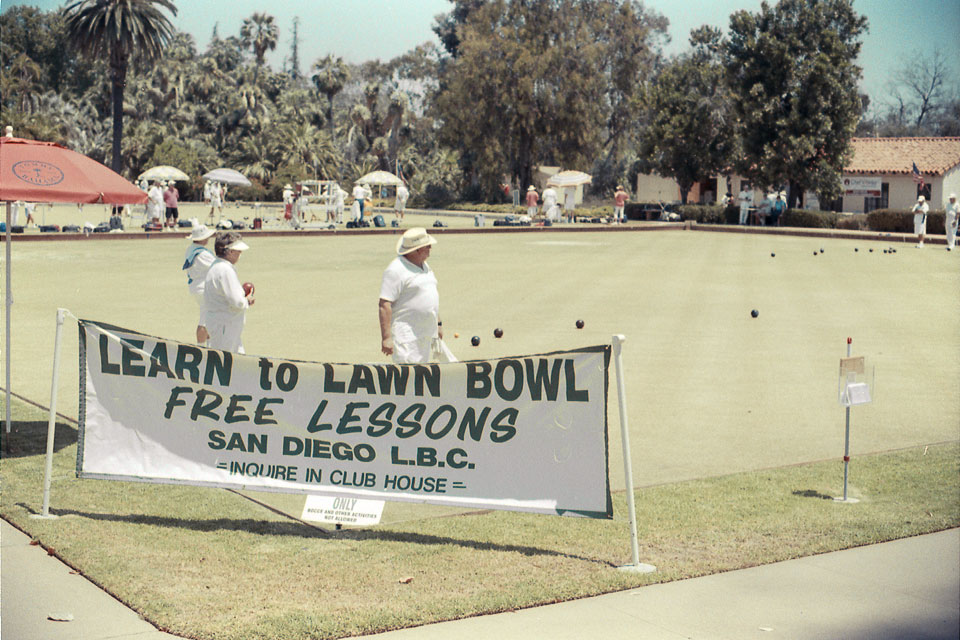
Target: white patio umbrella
{"x": 380, "y": 178}
{"x": 163, "y": 172}
{"x": 569, "y": 179}
{"x": 227, "y": 176}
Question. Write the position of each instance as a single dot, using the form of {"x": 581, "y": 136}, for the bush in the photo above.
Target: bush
{"x": 709, "y": 214}
{"x": 809, "y": 219}
{"x": 900, "y": 221}
{"x": 854, "y": 222}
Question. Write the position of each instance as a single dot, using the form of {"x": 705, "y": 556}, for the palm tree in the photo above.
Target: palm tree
{"x": 121, "y": 31}
{"x": 259, "y": 32}
{"x": 329, "y": 76}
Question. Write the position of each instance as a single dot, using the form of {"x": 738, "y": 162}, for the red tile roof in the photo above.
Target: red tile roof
{"x": 934, "y": 156}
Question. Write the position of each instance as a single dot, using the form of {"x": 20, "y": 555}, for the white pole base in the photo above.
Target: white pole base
{"x": 40, "y": 516}
{"x": 638, "y": 568}
{"x": 846, "y": 500}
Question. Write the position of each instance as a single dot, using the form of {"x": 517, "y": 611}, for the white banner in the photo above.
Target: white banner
{"x": 862, "y": 186}
{"x": 526, "y": 433}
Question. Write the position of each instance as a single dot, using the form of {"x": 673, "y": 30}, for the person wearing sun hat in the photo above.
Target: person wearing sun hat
{"x": 196, "y": 263}
{"x": 532, "y": 198}
{"x": 409, "y": 309}
{"x": 225, "y": 303}
{"x": 952, "y": 211}
{"x": 920, "y": 211}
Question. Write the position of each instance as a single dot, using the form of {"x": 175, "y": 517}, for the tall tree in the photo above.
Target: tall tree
{"x": 329, "y": 77}
{"x": 294, "y": 59}
{"x": 690, "y": 136}
{"x": 259, "y": 33}
{"x": 531, "y": 82}
{"x": 793, "y": 77}
{"x": 121, "y": 31}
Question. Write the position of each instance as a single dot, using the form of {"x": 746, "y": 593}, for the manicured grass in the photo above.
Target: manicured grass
{"x": 710, "y": 389}
{"x": 729, "y": 416}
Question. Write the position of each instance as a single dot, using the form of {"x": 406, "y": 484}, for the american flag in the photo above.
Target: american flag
{"x": 917, "y": 177}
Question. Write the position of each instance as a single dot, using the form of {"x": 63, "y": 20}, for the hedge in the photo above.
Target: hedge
{"x": 901, "y": 221}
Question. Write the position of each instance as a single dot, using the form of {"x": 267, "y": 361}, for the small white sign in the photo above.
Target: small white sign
{"x": 862, "y": 186}
{"x": 352, "y": 511}
{"x": 856, "y": 393}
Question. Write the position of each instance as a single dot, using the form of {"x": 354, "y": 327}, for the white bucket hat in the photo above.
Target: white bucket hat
{"x": 921, "y": 199}
{"x": 952, "y": 196}
{"x": 200, "y": 232}
{"x": 414, "y": 239}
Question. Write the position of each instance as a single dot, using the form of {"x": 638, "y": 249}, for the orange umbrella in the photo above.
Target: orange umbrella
{"x": 35, "y": 171}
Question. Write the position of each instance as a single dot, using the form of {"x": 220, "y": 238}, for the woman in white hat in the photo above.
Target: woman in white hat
{"x": 920, "y": 211}
{"x": 196, "y": 263}
{"x": 225, "y": 303}
{"x": 409, "y": 309}
{"x": 952, "y": 211}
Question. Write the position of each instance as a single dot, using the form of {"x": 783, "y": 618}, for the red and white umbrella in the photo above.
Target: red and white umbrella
{"x": 35, "y": 171}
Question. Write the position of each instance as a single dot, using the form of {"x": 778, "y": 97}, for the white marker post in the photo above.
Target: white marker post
{"x": 52, "y": 423}
{"x": 852, "y": 392}
{"x": 636, "y": 566}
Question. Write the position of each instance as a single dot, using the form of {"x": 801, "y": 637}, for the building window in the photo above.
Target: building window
{"x": 925, "y": 192}
{"x": 871, "y": 204}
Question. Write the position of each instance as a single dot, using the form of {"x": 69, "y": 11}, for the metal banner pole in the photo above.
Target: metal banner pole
{"x": 636, "y": 566}
{"x": 9, "y": 303}
{"x": 52, "y": 423}
{"x": 846, "y": 438}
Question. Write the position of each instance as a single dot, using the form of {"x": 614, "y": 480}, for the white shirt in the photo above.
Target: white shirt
{"x": 415, "y": 301}
{"x": 745, "y": 198}
{"x": 340, "y": 195}
{"x": 402, "y": 194}
{"x": 359, "y": 193}
{"x": 952, "y": 209}
{"x": 921, "y": 208}
{"x": 549, "y": 197}
{"x": 223, "y": 294}
{"x": 287, "y": 196}
{"x": 156, "y": 197}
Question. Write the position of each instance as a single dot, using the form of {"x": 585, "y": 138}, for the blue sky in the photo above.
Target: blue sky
{"x": 899, "y": 29}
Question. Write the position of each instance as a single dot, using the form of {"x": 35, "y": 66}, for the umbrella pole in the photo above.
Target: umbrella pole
{"x": 9, "y": 303}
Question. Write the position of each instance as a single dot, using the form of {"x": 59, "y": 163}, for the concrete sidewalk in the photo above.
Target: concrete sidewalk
{"x": 906, "y": 589}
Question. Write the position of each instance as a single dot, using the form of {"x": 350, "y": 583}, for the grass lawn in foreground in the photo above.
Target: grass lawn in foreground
{"x": 206, "y": 563}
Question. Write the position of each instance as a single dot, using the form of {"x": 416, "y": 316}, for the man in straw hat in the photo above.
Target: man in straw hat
{"x": 952, "y": 211}
{"x": 196, "y": 263}
{"x": 225, "y": 302}
{"x": 409, "y": 301}
{"x": 920, "y": 211}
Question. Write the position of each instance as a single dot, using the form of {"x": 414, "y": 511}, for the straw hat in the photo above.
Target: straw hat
{"x": 531, "y": 188}
{"x": 414, "y": 239}
{"x": 200, "y": 232}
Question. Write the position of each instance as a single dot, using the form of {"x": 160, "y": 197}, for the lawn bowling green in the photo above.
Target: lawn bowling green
{"x": 710, "y": 389}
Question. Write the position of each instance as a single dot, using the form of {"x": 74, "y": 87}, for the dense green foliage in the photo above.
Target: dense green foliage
{"x": 690, "y": 133}
{"x": 793, "y": 76}
{"x": 516, "y": 84}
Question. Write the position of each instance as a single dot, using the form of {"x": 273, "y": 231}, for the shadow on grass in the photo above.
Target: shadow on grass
{"x": 811, "y": 493}
{"x": 29, "y": 438}
{"x": 301, "y": 530}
